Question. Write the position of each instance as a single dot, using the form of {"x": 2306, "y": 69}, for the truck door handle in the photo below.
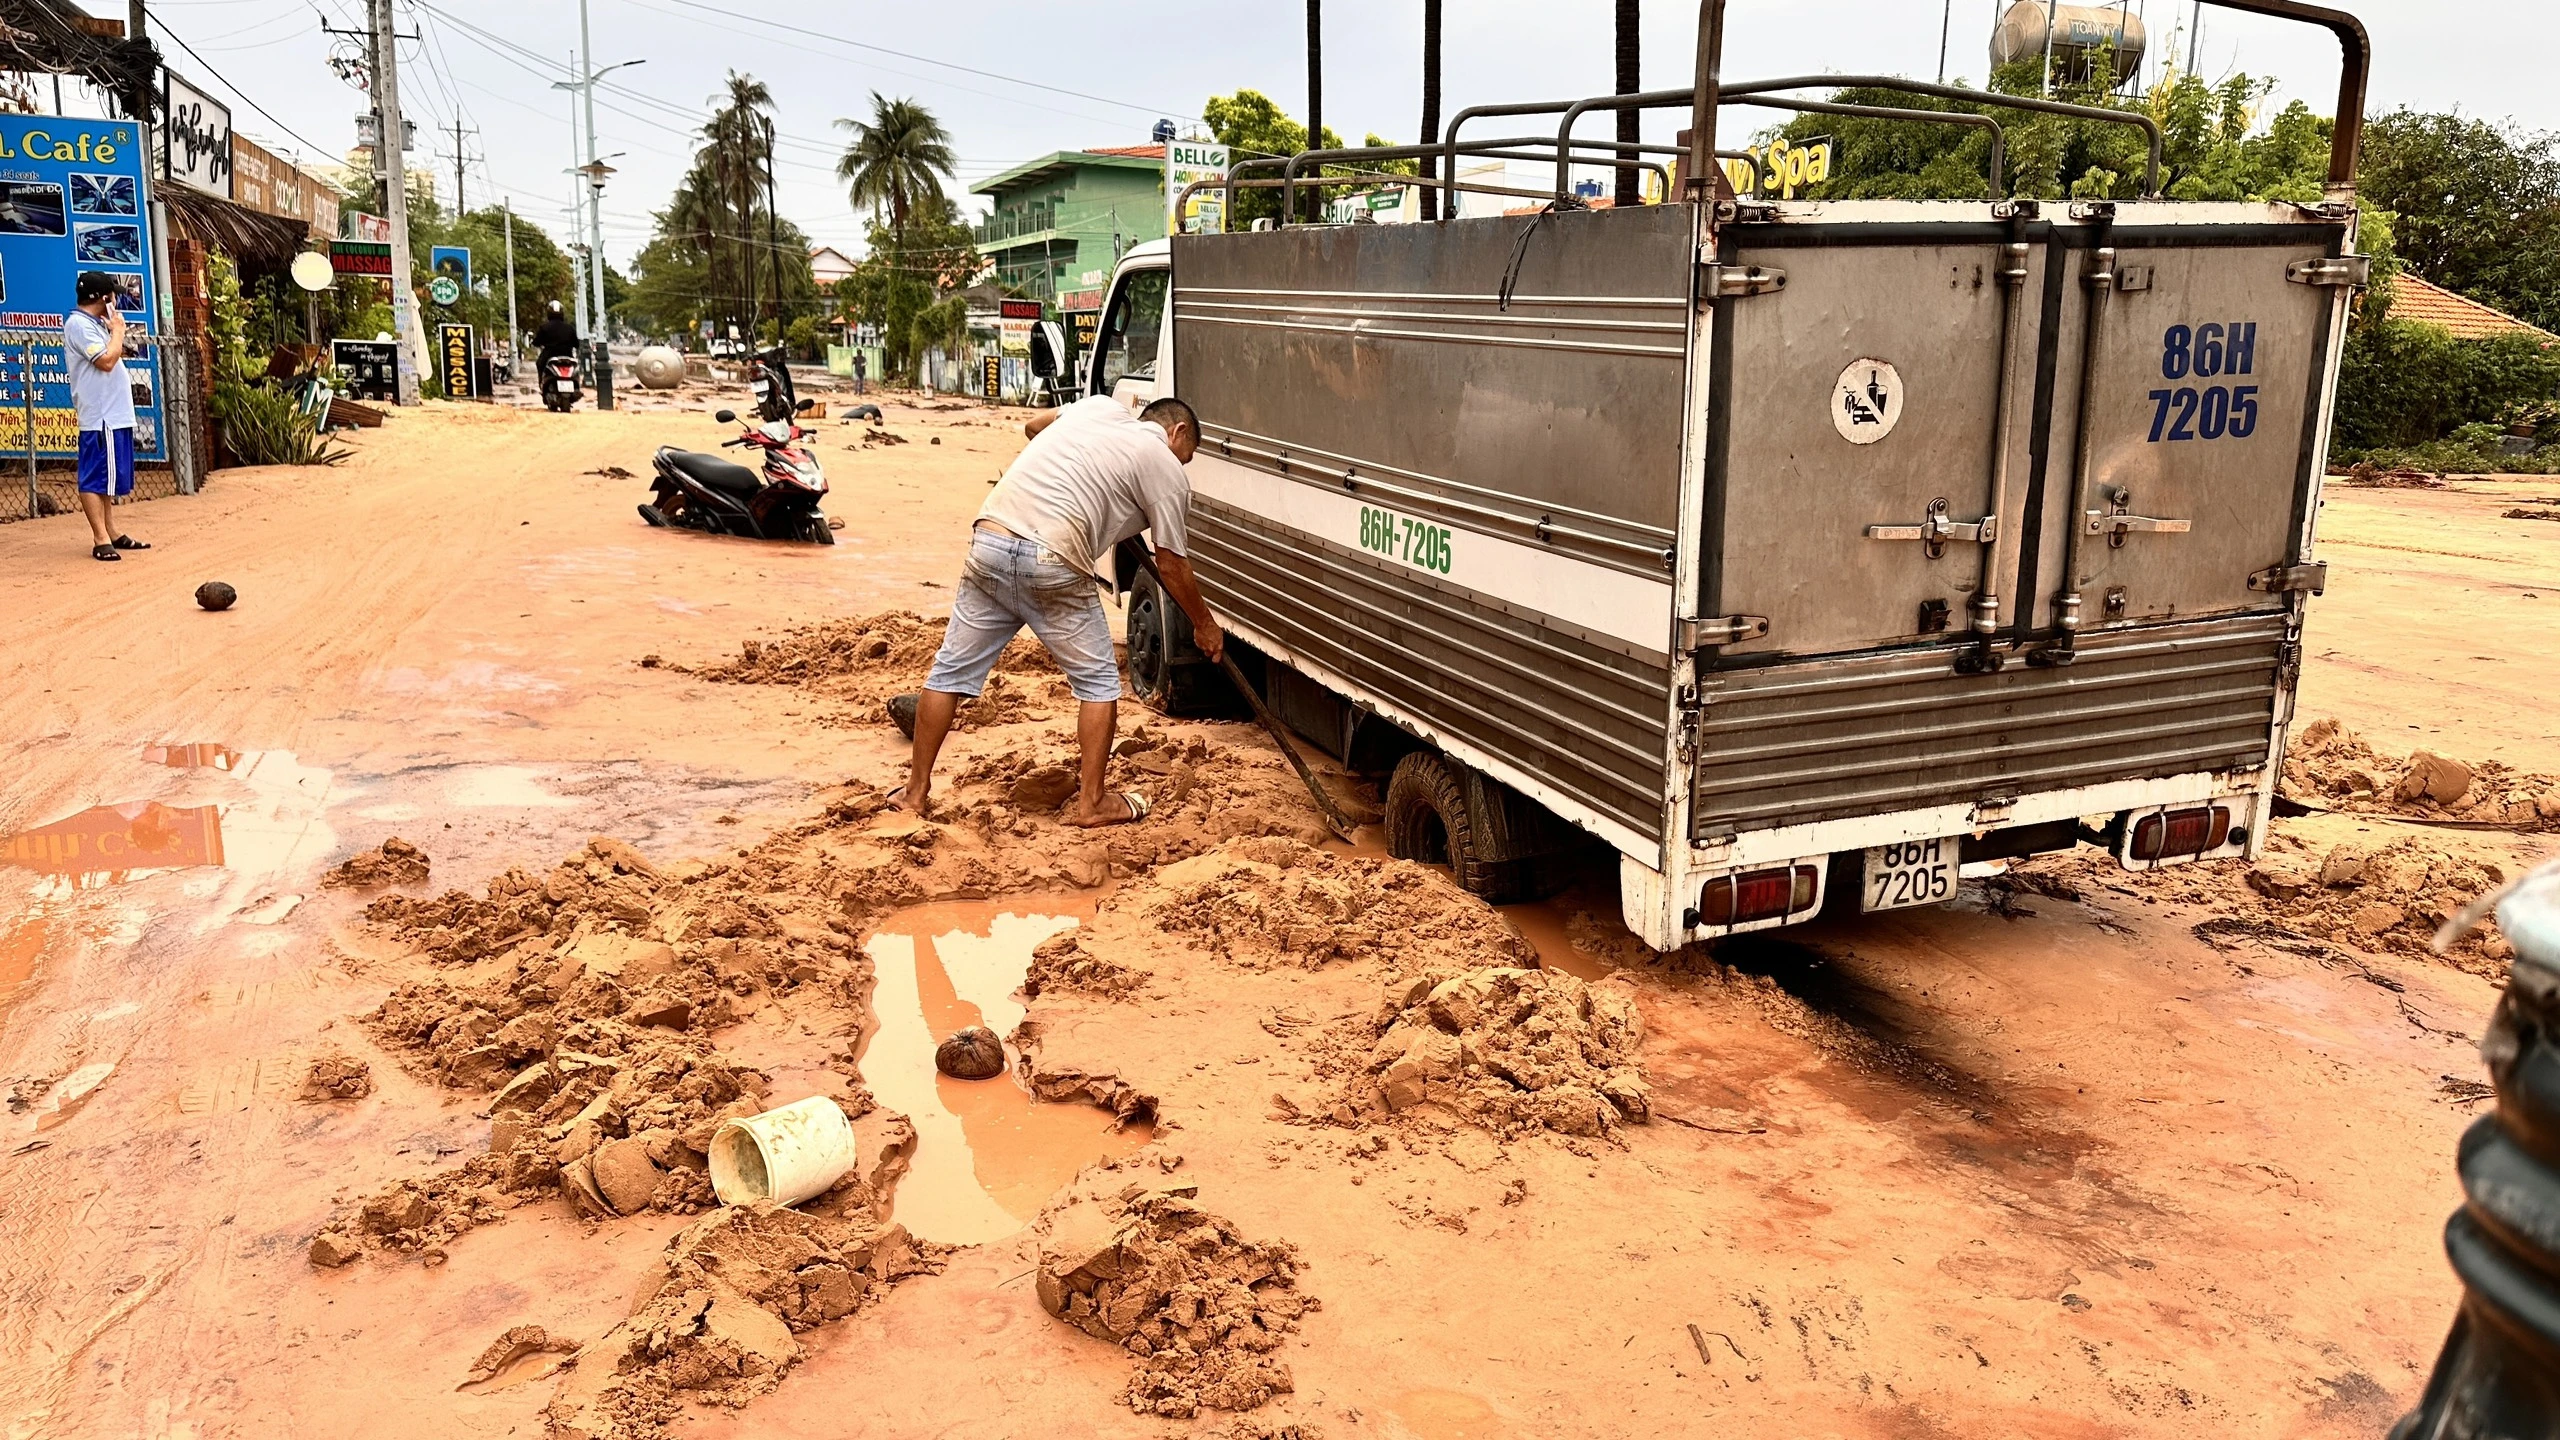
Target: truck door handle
{"x": 2115, "y": 522}
{"x": 1935, "y": 530}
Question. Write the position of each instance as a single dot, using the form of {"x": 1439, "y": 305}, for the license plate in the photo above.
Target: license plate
{"x": 1914, "y": 872}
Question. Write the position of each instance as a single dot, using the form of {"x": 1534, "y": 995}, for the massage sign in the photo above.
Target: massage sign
{"x": 74, "y": 196}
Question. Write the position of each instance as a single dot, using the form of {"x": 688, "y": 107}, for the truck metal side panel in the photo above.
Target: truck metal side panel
{"x": 1585, "y": 718}
{"x": 1462, "y": 510}
{"x": 1871, "y": 734}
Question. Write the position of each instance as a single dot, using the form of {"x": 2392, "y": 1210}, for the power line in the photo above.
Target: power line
{"x": 162, "y": 26}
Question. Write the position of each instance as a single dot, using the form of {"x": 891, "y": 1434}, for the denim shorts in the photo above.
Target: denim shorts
{"x": 1008, "y": 583}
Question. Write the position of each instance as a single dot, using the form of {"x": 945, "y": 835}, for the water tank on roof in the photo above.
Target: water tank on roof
{"x": 2081, "y": 33}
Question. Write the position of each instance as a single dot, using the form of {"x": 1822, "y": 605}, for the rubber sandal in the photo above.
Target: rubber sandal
{"x": 1139, "y": 809}
{"x": 127, "y": 542}
{"x": 104, "y": 552}
{"x": 897, "y": 799}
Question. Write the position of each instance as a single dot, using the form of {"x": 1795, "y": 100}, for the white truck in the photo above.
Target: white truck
{"x": 1800, "y": 553}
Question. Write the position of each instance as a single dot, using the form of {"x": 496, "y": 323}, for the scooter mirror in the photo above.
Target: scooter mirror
{"x": 725, "y": 417}
{"x": 804, "y": 407}
{"x": 1047, "y": 343}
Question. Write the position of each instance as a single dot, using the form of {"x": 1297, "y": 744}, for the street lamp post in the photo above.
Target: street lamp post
{"x": 595, "y": 170}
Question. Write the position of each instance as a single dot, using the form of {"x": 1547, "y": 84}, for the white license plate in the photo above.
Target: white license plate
{"x": 1914, "y": 872}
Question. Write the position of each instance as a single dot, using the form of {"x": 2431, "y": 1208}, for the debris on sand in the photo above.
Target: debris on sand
{"x": 393, "y": 862}
{"x": 1203, "y": 1309}
{"x": 337, "y": 1077}
{"x": 519, "y": 1343}
{"x": 2364, "y": 475}
{"x": 971, "y": 1053}
{"x": 1508, "y": 1049}
{"x": 2330, "y": 766}
{"x": 1066, "y": 963}
{"x": 1268, "y": 901}
{"x": 739, "y": 1286}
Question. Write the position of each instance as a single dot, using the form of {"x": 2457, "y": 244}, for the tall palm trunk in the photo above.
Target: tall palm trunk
{"x": 1431, "y": 106}
{"x": 1315, "y": 74}
{"x": 1630, "y": 120}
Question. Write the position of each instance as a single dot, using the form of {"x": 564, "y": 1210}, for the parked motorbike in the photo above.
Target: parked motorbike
{"x": 695, "y": 491}
{"x": 560, "y": 383}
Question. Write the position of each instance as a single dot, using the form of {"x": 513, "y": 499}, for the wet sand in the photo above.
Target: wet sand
{"x": 2059, "y": 1168}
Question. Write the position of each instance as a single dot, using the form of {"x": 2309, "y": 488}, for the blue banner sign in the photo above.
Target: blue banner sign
{"x": 73, "y": 197}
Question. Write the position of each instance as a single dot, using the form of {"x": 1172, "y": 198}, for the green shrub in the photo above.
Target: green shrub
{"x": 260, "y": 426}
{"x": 2405, "y": 385}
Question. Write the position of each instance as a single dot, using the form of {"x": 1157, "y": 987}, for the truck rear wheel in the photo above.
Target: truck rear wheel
{"x": 1165, "y": 668}
{"x": 1428, "y": 820}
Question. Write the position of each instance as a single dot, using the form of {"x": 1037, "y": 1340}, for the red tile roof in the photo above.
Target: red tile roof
{"x": 2467, "y": 319}
{"x": 1134, "y": 152}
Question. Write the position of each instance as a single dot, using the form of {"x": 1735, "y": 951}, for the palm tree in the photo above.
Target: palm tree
{"x": 738, "y": 144}
{"x": 1630, "y": 120}
{"x": 1431, "y": 104}
{"x": 895, "y": 159}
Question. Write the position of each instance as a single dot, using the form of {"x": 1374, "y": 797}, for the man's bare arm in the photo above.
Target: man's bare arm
{"x": 1032, "y": 427}
{"x": 1185, "y": 588}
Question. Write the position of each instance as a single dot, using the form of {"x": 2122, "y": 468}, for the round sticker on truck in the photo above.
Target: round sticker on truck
{"x": 1867, "y": 403}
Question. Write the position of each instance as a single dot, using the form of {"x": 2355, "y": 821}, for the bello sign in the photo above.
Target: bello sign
{"x": 73, "y": 197}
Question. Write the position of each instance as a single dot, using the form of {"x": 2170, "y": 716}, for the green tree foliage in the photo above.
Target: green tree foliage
{"x": 910, "y": 280}
{"x": 1252, "y": 126}
{"x": 543, "y": 270}
{"x": 896, "y": 159}
{"x": 2478, "y": 206}
{"x": 718, "y": 253}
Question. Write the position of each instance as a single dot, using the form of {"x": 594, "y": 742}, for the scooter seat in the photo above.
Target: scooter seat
{"x": 713, "y": 473}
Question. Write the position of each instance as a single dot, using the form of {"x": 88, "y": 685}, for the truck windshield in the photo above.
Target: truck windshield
{"x": 1129, "y": 331}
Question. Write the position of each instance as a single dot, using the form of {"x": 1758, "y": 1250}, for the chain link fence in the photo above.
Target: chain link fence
{"x": 33, "y": 484}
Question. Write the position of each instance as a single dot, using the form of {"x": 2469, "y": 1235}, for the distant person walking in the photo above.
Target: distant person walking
{"x": 861, "y": 373}
{"x": 102, "y": 402}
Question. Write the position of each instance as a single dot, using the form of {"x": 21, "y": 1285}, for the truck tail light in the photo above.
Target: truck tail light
{"x": 1758, "y": 895}
{"x": 2174, "y": 833}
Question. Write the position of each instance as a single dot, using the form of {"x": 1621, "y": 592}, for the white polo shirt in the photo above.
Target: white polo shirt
{"x": 1096, "y": 476}
{"x": 102, "y": 399}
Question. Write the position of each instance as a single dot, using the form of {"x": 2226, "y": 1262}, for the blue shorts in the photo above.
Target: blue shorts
{"x": 105, "y": 455}
{"x": 1009, "y": 583}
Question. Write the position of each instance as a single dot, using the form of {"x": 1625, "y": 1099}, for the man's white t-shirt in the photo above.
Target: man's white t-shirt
{"x": 102, "y": 399}
{"x": 1096, "y": 476}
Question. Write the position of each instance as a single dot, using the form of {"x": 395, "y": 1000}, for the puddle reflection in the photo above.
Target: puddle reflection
{"x": 988, "y": 1155}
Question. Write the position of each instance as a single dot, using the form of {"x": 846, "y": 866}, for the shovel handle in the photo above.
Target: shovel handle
{"x": 1334, "y": 819}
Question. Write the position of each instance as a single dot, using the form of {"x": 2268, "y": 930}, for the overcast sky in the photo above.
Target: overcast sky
{"x": 977, "y": 66}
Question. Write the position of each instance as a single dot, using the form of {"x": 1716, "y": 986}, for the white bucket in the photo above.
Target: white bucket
{"x": 787, "y": 1154}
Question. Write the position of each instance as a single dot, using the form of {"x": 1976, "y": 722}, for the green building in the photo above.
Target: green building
{"x": 1060, "y": 222}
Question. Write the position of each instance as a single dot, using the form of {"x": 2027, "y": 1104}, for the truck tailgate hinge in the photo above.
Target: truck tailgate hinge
{"x": 1733, "y": 282}
{"x": 2356, "y": 270}
{"x": 2286, "y": 579}
{"x": 1699, "y": 632}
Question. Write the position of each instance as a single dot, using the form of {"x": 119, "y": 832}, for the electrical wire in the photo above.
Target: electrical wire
{"x": 237, "y": 93}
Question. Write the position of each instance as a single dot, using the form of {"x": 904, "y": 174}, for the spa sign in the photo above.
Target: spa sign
{"x": 73, "y": 197}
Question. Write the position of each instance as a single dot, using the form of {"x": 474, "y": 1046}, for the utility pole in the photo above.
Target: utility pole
{"x": 595, "y": 215}
{"x": 515, "y": 331}
{"x": 1946, "y": 23}
{"x": 577, "y": 215}
{"x": 1315, "y": 77}
{"x": 773, "y": 231}
{"x": 386, "y": 99}
{"x": 1164, "y": 133}
{"x": 458, "y": 207}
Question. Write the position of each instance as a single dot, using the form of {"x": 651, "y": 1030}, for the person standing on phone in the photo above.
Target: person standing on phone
{"x": 102, "y": 401}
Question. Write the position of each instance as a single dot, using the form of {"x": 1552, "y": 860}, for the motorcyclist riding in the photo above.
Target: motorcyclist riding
{"x": 556, "y": 336}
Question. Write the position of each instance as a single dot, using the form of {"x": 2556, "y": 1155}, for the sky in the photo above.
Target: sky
{"x": 1013, "y": 79}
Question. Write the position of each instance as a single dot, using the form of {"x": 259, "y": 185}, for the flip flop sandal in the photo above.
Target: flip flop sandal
{"x": 127, "y": 542}
{"x": 898, "y": 798}
{"x": 104, "y": 552}
{"x": 1139, "y": 806}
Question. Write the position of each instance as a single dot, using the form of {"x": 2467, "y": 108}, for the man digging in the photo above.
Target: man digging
{"x": 1094, "y": 475}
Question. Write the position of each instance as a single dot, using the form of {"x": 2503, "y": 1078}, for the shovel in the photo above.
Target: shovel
{"x": 1333, "y": 816}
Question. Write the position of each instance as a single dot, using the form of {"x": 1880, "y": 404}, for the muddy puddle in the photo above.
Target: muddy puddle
{"x": 988, "y": 1155}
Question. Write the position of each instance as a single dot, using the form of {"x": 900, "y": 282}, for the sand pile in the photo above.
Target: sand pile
{"x": 1505, "y": 1048}
{"x": 720, "y": 1326}
{"x": 336, "y": 1077}
{"x": 2371, "y": 895}
{"x": 615, "y": 1136}
{"x": 2330, "y": 766}
{"x": 865, "y": 661}
{"x": 1203, "y": 1309}
{"x": 393, "y": 862}
{"x": 1261, "y": 902}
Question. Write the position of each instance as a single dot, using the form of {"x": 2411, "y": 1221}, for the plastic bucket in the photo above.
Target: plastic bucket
{"x": 787, "y": 1154}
